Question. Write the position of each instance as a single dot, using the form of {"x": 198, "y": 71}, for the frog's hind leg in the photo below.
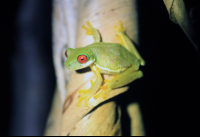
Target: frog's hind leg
{"x": 127, "y": 43}
{"x": 125, "y": 78}
{"x": 104, "y": 91}
{"x": 92, "y": 31}
{"x": 120, "y": 80}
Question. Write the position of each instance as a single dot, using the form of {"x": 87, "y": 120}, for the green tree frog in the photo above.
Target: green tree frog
{"x": 119, "y": 59}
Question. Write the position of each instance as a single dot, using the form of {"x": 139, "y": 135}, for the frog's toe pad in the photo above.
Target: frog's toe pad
{"x": 104, "y": 88}
{"x": 83, "y": 97}
{"x": 83, "y": 91}
{"x": 89, "y": 24}
{"x": 88, "y": 31}
{"x": 121, "y": 28}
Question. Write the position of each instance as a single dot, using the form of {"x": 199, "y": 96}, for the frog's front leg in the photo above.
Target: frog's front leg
{"x": 120, "y": 80}
{"x": 92, "y": 31}
{"x": 88, "y": 94}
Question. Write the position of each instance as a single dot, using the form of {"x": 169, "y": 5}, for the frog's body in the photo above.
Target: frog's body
{"x": 121, "y": 60}
{"x": 117, "y": 54}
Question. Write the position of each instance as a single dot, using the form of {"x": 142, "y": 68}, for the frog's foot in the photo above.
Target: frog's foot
{"x": 106, "y": 93}
{"x": 105, "y": 90}
{"x": 89, "y": 29}
{"x": 121, "y": 28}
{"x": 83, "y": 91}
{"x": 85, "y": 96}
{"x": 102, "y": 92}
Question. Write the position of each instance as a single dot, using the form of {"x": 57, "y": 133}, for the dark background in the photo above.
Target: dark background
{"x": 167, "y": 94}
{"x": 28, "y": 77}
{"x": 170, "y": 95}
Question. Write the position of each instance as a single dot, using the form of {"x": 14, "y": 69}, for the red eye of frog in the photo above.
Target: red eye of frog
{"x": 66, "y": 53}
{"x": 82, "y": 58}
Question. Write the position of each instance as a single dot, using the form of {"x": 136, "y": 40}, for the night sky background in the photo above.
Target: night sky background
{"x": 168, "y": 93}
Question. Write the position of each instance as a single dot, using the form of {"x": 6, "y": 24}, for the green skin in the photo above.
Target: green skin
{"x": 121, "y": 60}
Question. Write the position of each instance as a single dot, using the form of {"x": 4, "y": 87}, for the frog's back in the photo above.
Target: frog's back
{"x": 112, "y": 58}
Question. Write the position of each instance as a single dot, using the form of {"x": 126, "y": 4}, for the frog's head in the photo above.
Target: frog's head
{"x": 78, "y": 58}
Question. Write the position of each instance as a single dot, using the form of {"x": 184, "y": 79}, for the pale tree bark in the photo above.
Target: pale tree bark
{"x": 104, "y": 119}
